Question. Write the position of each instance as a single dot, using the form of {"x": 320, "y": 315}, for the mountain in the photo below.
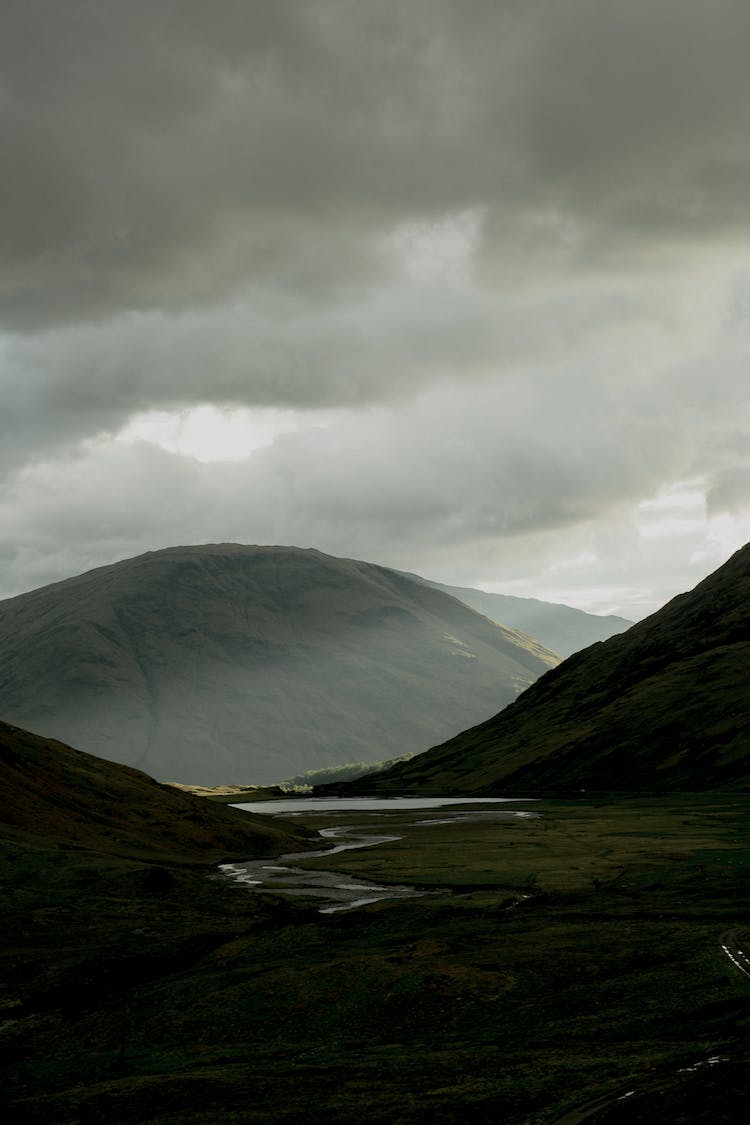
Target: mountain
{"x": 663, "y": 707}
{"x": 561, "y": 628}
{"x": 54, "y": 794}
{"x": 228, "y": 663}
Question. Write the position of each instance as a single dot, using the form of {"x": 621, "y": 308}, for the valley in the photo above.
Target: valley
{"x": 335, "y": 890}
{"x": 553, "y": 961}
{"x": 374, "y": 562}
{"x": 549, "y": 925}
{"x": 663, "y": 707}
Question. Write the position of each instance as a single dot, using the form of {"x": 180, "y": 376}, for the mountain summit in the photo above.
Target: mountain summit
{"x": 665, "y": 706}
{"x": 228, "y": 663}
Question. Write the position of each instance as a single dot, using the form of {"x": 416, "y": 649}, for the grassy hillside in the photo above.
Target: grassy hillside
{"x": 53, "y": 795}
{"x": 665, "y": 706}
{"x": 108, "y": 881}
{"x": 227, "y": 664}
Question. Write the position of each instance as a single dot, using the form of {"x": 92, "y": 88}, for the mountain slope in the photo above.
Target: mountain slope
{"x": 559, "y": 627}
{"x": 52, "y": 793}
{"x": 227, "y": 663}
{"x": 665, "y": 706}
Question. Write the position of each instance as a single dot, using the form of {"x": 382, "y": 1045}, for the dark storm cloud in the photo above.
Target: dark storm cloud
{"x": 160, "y": 154}
{"x": 506, "y": 238}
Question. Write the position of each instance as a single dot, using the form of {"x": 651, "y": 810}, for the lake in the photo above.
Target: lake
{"x": 360, "y": 804}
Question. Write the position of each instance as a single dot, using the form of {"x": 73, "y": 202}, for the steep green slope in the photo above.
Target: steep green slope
{"x": 665, "y": 706}
{"x": 232, "y": 664}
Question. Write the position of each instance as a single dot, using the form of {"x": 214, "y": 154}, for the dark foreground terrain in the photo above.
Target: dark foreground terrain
{"x": 559, "y": 964}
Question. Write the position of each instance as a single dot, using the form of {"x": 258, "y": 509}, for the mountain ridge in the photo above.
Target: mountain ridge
{"x": 561, "y": 628}
{"x": 663, "y": 706}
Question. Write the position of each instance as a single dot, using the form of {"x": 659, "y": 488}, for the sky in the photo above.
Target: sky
{"x": 456, "y": 286}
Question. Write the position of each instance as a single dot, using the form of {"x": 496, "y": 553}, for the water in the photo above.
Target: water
{"x": 338, "y": 891}
{"x": 359, "y": 804}
{"x": 334, "y": 890}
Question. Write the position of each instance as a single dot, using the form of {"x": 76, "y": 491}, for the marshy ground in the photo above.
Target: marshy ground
{"x": 564, "y": 968}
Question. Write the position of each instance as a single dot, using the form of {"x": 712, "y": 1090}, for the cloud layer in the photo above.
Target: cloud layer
{"x": 502, "y": 246}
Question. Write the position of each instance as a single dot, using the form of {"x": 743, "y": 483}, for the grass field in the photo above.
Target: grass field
{"x": 564, "y": 846}
{"x": 558, "y": 960}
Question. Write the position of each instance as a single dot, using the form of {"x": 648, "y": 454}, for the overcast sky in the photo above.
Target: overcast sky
{"x": 459, "y": 286}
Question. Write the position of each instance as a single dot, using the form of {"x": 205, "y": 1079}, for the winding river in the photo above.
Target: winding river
{"x": 336, "y": 891}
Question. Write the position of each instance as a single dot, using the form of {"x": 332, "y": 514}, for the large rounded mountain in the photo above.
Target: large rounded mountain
{"x": 229, "y": 663}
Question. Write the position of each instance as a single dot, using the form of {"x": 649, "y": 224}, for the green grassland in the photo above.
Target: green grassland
{"x": 565, "y": 846}
{"x": 557, "y": 960}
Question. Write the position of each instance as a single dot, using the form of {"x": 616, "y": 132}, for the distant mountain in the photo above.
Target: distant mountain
{"x": 51, "y": 793}
{"x": 559, "y": 627}
{"x": 663, "y": 707}
{"x": 227, "y": 663}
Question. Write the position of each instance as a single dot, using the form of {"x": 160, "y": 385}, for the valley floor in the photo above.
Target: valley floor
{"x": 563, "y": 969}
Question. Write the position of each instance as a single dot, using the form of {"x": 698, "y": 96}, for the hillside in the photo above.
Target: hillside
{"x": 559, "y": 627}
{"x": 663, "y": 707}
{"x": 235, "y": 664}
{"x": 54, "y": 795}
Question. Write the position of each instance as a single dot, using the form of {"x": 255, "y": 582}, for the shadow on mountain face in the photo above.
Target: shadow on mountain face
{"x": 230, "y": 664}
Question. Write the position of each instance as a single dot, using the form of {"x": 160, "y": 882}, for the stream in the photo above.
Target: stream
{"x": 340, "y": 892}
{"x": 335, "y": 890}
